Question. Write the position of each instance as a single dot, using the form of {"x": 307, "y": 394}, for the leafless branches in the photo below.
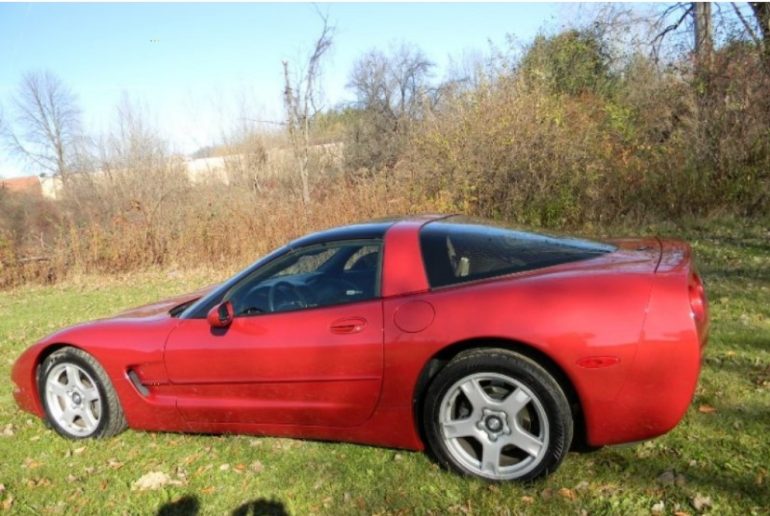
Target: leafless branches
{"x": 47, "y": 124}
{"x": 300, "y": 99}
{"x": 390, "y": 91}
{"x": 746, "y": 25}
{"x": 657, "y": 41}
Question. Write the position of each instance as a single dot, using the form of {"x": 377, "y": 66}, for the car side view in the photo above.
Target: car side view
{"x": 494, "y": 349}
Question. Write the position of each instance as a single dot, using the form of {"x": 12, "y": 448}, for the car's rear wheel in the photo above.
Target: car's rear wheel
{"x": 498, "y": 415}
{"x": 78, "y": 397}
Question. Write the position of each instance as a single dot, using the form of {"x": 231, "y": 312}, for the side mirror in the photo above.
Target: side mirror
{"x": 221, "y": 316}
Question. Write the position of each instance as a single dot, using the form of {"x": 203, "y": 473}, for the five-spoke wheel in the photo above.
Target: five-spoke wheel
{"x": 498, "y": 415}
{"x": 73, "y": 399}
{"x": 77, "y": 396}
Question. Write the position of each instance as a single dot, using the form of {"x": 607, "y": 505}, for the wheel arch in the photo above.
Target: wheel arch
{"x": 442, "y": 357}
{"x": 44, "y": 353}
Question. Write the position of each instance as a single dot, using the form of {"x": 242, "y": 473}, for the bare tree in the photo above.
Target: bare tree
{"x": 300, "y": 97}
{"x": 47, "y": 124}
{"x": 136, "y": 162}
{"x": 709, "y": 22}
{"x": 390, "y": 94}
{"x": 762, "y": 15}
{"x": 704, "y": 39}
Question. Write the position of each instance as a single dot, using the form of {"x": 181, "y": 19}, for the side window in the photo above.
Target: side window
{"x": 307, "y": 263}
{"x": 311, "y": 277}
{"x": 457, "y": 252}
{"x": 366, "y": 258}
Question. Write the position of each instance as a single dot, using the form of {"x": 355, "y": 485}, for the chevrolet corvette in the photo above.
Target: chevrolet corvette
{"x": 495, "y": 350}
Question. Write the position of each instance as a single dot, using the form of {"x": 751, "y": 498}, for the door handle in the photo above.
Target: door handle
{"x": 348, "y": 325}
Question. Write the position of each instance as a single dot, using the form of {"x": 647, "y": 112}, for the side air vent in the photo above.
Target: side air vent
{"x": 143, "y": 390}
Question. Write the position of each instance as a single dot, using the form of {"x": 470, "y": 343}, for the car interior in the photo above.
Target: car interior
{"x": 308, "y": 278}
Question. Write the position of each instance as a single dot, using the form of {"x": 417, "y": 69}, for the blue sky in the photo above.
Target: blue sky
{"x": 194, "y": 65}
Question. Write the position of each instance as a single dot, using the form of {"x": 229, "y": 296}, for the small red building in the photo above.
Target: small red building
{"x": 29, "y": 185}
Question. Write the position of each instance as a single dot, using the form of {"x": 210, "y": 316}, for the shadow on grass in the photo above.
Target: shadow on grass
{"x": 261, "y": 507}
{"x": 753, "y": 371}
{"x": 753, "y": 244}
{"x": 190, "y": 506}
{"x": 738, "y": 273}
{"x": 642, "y": 475}
{"x": 185, "y": 505}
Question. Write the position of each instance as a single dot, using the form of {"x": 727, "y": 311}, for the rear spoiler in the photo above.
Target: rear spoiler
{"x": 675, "y": 255}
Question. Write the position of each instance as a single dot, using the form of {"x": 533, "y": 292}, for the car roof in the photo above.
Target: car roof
{"x": 363, "y": 231}
{"x": 370, "y": 230}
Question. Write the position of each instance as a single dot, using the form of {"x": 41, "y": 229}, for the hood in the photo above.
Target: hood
{"x": 163, "y": 307}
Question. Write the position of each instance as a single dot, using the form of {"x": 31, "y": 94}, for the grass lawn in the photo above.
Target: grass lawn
{"x": 717, "y": 460}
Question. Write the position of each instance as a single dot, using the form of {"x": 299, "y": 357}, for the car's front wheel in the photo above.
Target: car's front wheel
{"x": 78, "y": 397}
{"x": 499, "y": 415}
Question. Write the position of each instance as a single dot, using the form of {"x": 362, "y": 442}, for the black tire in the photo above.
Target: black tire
{"x": 495, "y": 370}
{"x": 110, "y": 419}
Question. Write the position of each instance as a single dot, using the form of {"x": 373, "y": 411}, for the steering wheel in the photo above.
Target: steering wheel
{"x": 284, "y": 287}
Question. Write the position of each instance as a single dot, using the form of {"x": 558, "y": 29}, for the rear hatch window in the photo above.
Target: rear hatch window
{"x": 459, "y": 249}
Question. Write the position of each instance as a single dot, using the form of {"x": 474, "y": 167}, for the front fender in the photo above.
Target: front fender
{"x": 24, "y": 378}
{"x": 120, "y": 346}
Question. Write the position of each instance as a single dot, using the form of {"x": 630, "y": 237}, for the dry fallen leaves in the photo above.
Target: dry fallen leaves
{"x": 154, "y": 480}
{"x": 569, "y": 494}
{"x": 706, "y": 409}
{"x": 38, "y": 482}
{"x": 30, "y": 463}
{"x": 75, "y": 451}
{"x": 700, "y": 502}
{"x": 609, "y": 489}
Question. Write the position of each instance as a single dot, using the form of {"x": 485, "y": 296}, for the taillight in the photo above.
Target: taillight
{"x": 697, "y": 297}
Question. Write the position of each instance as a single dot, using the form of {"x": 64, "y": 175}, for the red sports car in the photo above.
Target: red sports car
{"x": 495, "y": 349}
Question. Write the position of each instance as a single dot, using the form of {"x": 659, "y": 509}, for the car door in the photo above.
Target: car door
{"x": 305, "y": 346}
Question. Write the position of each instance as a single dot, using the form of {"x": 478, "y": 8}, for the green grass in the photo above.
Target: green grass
{"x": 723, "y": 455}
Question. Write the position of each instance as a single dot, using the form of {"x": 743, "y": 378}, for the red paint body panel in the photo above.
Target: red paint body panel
{"x": 620, "y": 327}
{"x": 284, "y": 368}
{"x": 402, "y": 270}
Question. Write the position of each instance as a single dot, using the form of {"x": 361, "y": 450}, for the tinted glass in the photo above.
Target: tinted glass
{"x": 310, "y": 277}
{"x": 457, "y": 249}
